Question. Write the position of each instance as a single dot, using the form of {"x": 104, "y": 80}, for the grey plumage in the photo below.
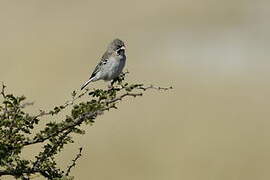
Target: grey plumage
{"x": 111, "y": 64}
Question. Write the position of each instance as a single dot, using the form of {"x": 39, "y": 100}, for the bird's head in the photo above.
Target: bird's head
{"x": 117, "y": 46}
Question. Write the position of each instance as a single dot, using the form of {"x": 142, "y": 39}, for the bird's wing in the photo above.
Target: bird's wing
{"x": 100, "y": 65}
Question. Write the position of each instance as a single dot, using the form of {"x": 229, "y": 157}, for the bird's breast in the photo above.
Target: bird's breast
{"x": 115, "y": 67}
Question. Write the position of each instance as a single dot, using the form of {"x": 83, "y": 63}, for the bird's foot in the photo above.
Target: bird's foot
{"x": 110, "y": 87}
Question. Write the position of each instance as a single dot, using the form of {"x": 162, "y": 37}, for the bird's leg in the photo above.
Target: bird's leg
{"x": 110, "y": 86}
{"x": 113, "y": 81}
{"x": 118, "y": 79}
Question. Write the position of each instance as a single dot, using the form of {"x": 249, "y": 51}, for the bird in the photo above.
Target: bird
{"x": 111, "y": 64}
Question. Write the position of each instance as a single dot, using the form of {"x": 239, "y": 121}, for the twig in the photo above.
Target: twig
{"x": 4, "y": 96}
{"x": 26, "y": 104}
{"x": 122, "y": 96}
{"x": 3, "y": 90}
{"x": 74, "y": 161}
{"x": 154, "y": 87}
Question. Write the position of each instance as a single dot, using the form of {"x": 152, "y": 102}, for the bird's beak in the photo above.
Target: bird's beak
{"x": 123, "y": 47}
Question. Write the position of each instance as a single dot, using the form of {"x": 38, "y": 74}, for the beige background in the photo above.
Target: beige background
{"x": 214, "y": 125}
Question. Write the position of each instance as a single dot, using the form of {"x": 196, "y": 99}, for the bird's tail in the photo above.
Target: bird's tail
{"x": 86, "y": 83}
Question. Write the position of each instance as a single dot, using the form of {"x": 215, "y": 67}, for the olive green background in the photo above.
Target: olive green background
{"x": 214, "y": 125}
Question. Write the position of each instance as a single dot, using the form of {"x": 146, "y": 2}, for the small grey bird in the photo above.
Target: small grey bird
{"x": 111, "y": 64}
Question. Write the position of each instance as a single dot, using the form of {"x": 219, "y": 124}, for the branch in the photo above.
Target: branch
{"x": 76, "y": 123}
{"x": 91, "y": 115}
{"x": 58, "y": 133}
{"x": 16, "y": 173}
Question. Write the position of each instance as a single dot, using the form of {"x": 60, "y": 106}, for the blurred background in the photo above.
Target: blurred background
{"x": 213, "y": 125}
